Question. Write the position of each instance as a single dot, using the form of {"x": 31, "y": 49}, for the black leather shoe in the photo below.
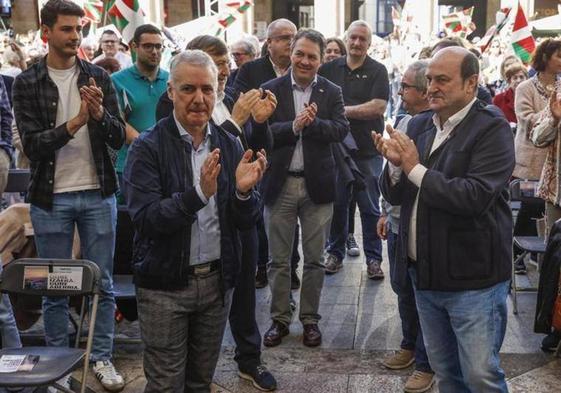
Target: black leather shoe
{"x": 312, "y": 335}
{"x": 261, "y": 280}
{"x": 261, "y": 378}
{"x": 274, "y": 335}
{"x": 294, "y": 280}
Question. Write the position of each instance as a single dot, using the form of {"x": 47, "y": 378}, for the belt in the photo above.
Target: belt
{"x": 296, "y": 174}
{"x": 203, "y": 268}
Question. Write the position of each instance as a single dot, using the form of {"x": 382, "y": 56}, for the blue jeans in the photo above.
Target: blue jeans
{"x": 96, "y": 219}
{"x": 8, "y": 330}
{"x": 403, "y": 288}
{"x": 463, "y": 334}
{"x": 368, "y": 201}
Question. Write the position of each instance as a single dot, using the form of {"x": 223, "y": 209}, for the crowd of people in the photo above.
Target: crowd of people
{"x": 226, "y": 171}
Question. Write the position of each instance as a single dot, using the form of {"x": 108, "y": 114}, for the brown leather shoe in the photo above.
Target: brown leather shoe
{"x": 274, "y": 335}
{"x": 312, "y": 335}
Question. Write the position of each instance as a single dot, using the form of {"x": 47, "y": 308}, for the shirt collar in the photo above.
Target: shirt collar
{"x": 279, "y": 71}
{"x": 136, "y": 73}
{"x": 455, "y": 119}
{"x": 42, "y": 69}
{"x": 220, "y": 96}
{"x": 296, "y": 85}
{"x": 183, "y": 132}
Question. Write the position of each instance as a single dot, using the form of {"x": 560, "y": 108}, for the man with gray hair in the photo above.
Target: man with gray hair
{"x": 189, "y": 189}
{"x": 243, "y": 51}
{"x": 413, "y": 92}
{"x": 253, "y": 74}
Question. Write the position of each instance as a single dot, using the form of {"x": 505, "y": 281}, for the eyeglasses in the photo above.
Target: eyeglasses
{"x": 405, "y": 86}
{"x": 239, "y": 54}
{"x": 284, "y": 37}
{"x": 150, "y": 47}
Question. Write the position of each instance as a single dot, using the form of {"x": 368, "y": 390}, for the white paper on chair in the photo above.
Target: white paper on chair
{"x": 67, "y": 278}
{"x": 13, "y": 363}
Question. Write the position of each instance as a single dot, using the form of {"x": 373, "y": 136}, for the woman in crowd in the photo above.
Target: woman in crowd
{"x": 545, "y": 133}
{"x": 515, "y": 75}
{"x": 334, "y": 49}
{"x": 545, "y": 130}
{"x": 530, "y": 104}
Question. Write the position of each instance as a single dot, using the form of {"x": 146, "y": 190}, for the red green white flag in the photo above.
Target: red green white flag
{"x": 459, "y": 23}
{"x": 126, "y": 15}
{"x": 522, "y": 40}
{"x": 93, "y": 10}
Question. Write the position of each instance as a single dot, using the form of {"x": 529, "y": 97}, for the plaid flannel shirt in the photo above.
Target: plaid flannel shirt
{"x": 6, "y": 118}
{"x": 35, "y": 98}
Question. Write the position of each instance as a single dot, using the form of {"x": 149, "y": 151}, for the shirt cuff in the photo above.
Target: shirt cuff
{"x": 199, "y": 190}
{"x": 294, "y": 129}
{"x": 395, "y": 173}
{"x": 243, "y": 197}
{"x": 416, "y": 175}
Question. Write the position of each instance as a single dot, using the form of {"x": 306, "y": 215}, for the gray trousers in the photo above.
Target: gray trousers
{"x": 292, "y": 204}
{"x": 182, "y": 332}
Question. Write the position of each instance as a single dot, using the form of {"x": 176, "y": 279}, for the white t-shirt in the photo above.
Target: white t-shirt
{"x": 75, "y": 168}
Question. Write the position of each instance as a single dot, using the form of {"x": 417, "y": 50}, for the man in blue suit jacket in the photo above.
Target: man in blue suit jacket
{"x": 300, "y": 182}
{"x": 450, "y": 175}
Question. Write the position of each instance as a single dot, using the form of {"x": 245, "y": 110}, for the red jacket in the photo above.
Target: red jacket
{"x": 505, "y": 101}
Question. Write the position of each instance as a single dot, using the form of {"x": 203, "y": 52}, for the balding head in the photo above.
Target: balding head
{"x": 469, "y": 65}
{"x": 279, "y": 36}
{"x": 278, "y": 25}
{"x": 453, "y": 75}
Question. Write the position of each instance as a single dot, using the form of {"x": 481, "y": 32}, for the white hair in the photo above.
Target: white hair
{"x": 360, "y": 23}
{"x": 248, "y": 45}
{"x": 196, "y": 58}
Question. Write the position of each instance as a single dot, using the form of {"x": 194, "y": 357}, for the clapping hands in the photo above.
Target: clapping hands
{"x": 399, "y": 149}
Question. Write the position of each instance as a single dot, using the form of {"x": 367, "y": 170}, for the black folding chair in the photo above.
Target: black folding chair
{"x": 51, "y": 277}
{"x": 520, "y": 189}
{"x": 18, "y": 180}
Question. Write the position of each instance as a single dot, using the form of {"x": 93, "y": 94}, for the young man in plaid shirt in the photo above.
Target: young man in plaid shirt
{"x": 67, "y": 114}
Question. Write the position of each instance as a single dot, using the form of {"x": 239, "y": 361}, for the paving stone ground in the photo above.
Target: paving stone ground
{"x": 360, "y": 326}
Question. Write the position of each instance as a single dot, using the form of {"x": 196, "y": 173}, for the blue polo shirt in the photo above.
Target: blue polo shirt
{"x": 138, "y": 97}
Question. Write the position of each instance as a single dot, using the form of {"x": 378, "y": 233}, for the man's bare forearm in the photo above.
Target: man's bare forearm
{"x": 370, "y": 110}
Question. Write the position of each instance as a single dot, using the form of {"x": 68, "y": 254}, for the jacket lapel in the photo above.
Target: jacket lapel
{"x": 318, "y": 93}
{"x": 288, "y": 96}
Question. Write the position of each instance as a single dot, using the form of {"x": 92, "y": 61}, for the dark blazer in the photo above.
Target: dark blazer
{"x": 232, "y": 78}
{"x": 330, "y": 126}
{"x": 464, "y": 222}
{"x": 162, "y": 203}
{"x": 8, "y": 82}
{"x": 253, "y": 74}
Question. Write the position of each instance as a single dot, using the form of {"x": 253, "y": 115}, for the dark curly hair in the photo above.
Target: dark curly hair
{"x": 543, "y": 53}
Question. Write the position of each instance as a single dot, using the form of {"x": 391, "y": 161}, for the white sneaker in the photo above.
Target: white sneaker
{"x": 109, "y": 378}
{"x": 64, "y": 382}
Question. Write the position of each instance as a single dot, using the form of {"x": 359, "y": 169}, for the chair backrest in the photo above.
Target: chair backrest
{"x": 522, "y": 189}
{"x": 18, "y": 180}
{"x": 50, "y": 277}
